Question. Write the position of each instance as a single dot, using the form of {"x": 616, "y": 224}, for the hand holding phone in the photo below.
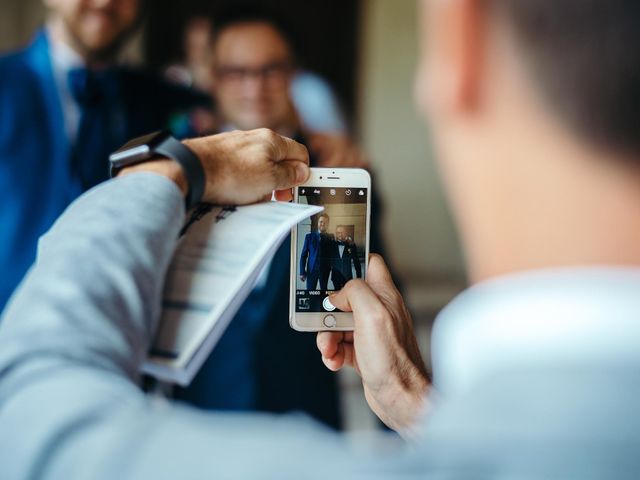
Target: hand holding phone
{"x": 331, "y": 248}
{"x": 384, "y": 352}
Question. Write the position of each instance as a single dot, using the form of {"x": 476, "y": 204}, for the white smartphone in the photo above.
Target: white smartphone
{"x": 330, "y": 248}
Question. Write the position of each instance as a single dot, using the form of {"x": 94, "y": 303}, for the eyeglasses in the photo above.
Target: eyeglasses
{"x": 272, "y": 75}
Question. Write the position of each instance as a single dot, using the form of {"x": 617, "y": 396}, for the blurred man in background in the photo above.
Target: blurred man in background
{"x": 314, "y": 101}
{"x": 66, "y": 105}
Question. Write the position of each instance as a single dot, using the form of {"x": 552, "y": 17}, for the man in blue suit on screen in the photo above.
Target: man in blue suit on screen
{"x": 317, "y": 254}
{"x": 65, "y": 104}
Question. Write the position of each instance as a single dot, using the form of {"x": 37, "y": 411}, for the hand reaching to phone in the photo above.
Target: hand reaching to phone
{"x": 240, "y": 167}
{"x": 382, "y": 347}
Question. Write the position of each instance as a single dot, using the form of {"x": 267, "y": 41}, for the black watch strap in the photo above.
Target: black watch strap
{"x": 145, "y": 148}
{"x": 193, "y": 171}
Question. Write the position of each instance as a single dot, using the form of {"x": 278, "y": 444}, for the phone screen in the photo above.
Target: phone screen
{"x": 331, "y": 246}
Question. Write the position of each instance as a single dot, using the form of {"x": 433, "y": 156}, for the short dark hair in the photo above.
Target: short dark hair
{"x": 325, "y": 215}
{"x": 585, "y": 55}
{"x": 249, "y": 12}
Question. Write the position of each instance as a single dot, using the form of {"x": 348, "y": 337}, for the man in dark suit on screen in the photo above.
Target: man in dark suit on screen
{"x": 345, "y": 259}
{"x": 317, "y": 254}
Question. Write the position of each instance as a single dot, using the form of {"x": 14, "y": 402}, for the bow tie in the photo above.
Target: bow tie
{"x": 90, "y": 87}
{"x": 341, "y": 243}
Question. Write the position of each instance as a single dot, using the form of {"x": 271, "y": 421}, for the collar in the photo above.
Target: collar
{"x": 573, "y": 316}
{"x": 63, "y": 57}
{"x": 63, "y": 60}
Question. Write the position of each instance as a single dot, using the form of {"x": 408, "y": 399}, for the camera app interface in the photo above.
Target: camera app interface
{"x": 330, "y": 246}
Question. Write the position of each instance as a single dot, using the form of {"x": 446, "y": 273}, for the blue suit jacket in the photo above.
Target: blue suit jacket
{"x": 36, "y": 181}
{"x": 314, "y": 252}
{"x": 310, "y": 253}
{"x": 262, "y": 364}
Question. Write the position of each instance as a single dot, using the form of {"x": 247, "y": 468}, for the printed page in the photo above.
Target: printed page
{"x": 212, "y": 272}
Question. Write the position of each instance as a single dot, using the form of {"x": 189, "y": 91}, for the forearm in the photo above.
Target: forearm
{"x": 98, "y": 276}
{"x": 73, "y": 337}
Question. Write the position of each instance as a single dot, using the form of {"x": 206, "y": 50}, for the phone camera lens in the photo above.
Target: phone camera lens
{"x": 320, "y": 178}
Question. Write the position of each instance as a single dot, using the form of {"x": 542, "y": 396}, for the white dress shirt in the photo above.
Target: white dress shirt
{"x": 538, "y": 318}
{"x": 63, "y": 60}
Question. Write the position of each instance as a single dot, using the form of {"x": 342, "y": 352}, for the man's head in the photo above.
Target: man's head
{"x": 323, "y": 223}
{"x": 94, "y": 28}
{"x": 253, "y": 66}
{"x": 341, "y": 233}
{"x": 535, "y": 109}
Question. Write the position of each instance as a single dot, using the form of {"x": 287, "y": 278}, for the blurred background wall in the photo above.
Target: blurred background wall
{"x": 18, "y": 20}
{"x": 418, "y": 224}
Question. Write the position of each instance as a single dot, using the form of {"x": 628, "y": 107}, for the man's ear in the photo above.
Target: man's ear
{"x": 453, "y": 53}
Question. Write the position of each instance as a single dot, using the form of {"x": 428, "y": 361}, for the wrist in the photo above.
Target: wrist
{"x": 202, "y": 152}
{"x": 186, "y": 169}
{"x": 406, "y": 400}
{"x": 162, "y": 166}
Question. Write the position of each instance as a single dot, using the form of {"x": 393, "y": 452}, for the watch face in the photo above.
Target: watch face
{"x": 137, "y": 150}
{"x": 152, "y": 140}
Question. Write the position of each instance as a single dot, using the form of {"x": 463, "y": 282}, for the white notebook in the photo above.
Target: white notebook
{"x": 215, "y": 266}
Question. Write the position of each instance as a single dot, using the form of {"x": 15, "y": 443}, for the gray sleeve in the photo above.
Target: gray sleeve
{"x": 71, "y": 343}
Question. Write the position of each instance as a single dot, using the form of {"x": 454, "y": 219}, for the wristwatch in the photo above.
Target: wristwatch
{"x": 162, "y": 143}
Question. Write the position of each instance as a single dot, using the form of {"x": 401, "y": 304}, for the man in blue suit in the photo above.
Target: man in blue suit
{"x": 317, "y": 255}
{"x": 64, "y": 106}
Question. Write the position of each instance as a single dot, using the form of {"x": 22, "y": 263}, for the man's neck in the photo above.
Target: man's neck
{"x": 562, "y": 206}
{"x": 60, "y": 36}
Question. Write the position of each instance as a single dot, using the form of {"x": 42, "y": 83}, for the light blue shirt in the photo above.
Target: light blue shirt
{"x": 538, "y": 374}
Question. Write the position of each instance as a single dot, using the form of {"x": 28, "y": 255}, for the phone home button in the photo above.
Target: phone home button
{"x": 329, "y": 321}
